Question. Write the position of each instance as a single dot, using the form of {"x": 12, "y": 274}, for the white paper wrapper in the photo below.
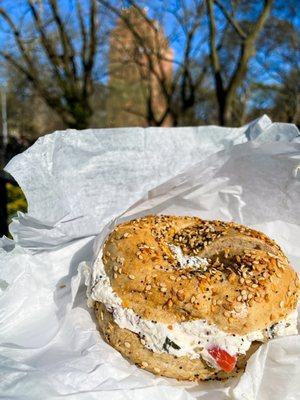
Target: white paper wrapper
{"x": 76, "y": 184}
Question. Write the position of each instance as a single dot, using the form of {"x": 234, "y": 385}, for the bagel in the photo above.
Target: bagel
{"x": 191, "y": 299}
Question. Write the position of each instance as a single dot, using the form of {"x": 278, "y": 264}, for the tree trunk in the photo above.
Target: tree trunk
{"x": 3, "y": 206}
{"x": 173, "y": 119}
{"x": 227, "y": 111}
{"x": 226, "y": 95}
{"x": 222, "y": 106}
{"x": 78, "y": 115}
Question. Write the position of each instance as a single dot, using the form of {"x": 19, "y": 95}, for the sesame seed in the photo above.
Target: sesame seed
{"x": 239, "y": 298}
{"x": 281, "y": 304}
{"x": 163, "y": 289}
{"x": 243, "y": 292}
{"x": 145, "y": 364}
{"x": 254, "y": 285}
{"x": 101, "y": 315}
{"x": 280, "y": 265}
{"x": 143, "y": 342}
{"x": 157, "y": 370}
{"x": 180, "y": 295}
{"x": 242, "y": 280}
{"x": 148, "y": 287}
{"x": 131, "y": 276}
{"x": 127, "y": 344}
{"x": 116, "y": 268}
{"x": 169, "y": 303}
{"x": 238, "y": 307}
{"x": 115, "y": 276}
{"x": 173, "y": 278}
{"x": 193, "y": 299}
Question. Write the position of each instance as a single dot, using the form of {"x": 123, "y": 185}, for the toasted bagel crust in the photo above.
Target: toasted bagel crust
{"x": 248, "y": 284}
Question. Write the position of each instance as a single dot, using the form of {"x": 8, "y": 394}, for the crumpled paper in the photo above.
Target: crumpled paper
{"x": 79, "y": 184}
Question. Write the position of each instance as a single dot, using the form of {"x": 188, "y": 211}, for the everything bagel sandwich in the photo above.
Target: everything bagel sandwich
{"x": 191, "y": 299}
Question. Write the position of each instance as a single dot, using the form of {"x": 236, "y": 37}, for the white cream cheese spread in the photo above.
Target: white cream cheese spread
{"x": 191, "y": 262}
{"x": 193, "y": 338}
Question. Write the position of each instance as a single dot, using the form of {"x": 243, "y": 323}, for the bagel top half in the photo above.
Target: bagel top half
{"x": 246, "y": 284}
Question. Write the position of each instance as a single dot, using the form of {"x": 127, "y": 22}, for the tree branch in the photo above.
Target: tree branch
{"x": 89, "y": 48}
{"x": 142, "y": 14}
{"x": 93, "y": 33}
{"x": 216, "y": 66}
{"x": 248, "y": 50}
{"x": 261, "y": 20}
{"x": 83, "y": 34}
{"x": 67, "y": 46}
{"x": 188, "y": 100}
{"x": 17, "y": 65}
{"x": 49, "y": 50}
{"x": 230, "y": 19}
{"x": 17, "y": 36}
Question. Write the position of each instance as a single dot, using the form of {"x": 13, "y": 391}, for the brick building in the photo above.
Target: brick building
{"x": 136, "y": 62}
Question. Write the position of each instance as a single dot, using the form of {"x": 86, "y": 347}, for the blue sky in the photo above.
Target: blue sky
{"x": 18, "y": 11}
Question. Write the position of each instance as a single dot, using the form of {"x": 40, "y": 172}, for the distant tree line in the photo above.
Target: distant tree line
{"x": 231, "y": 61}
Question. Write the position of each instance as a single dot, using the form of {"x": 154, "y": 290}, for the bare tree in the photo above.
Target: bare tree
{"x": 226, "y": 92}
{"x": 58, "y": 63}
{"x": 278, "y": 59}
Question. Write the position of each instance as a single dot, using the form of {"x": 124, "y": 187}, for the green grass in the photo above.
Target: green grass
{"x": 16, "y": 201}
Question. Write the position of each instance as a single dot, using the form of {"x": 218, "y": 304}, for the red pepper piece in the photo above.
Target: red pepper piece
{"x": 223, "y": 359}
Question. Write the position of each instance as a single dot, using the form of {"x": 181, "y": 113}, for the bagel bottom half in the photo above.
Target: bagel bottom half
{"x": 181, "y": 368}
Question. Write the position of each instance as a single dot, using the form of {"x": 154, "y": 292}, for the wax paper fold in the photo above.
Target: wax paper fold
{"x": 79, "y": 184}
